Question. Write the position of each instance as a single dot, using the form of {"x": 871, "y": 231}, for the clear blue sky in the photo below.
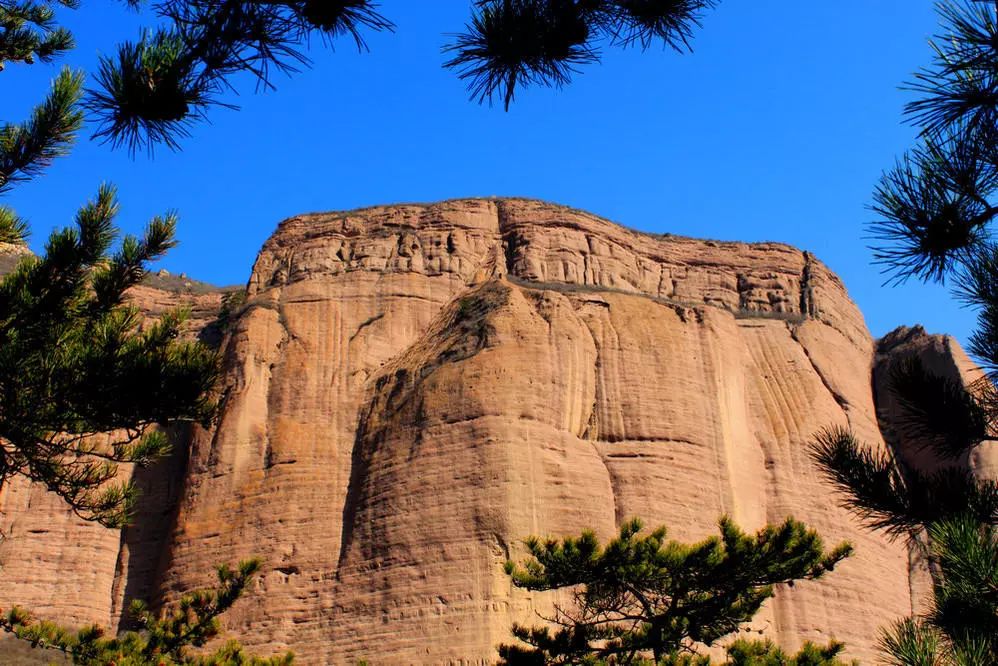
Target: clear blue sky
{"x": 776, "y": 128}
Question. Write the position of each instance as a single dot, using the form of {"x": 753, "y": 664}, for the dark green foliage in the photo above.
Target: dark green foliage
{"x": 939, "y": 413}
{"x": 740, "y": 653}
{"x": 28, "y": 31}
{"x": 640, "y": 595}
{"x": 765, "y": 653}
{"x": 232, "y": 304}
{"x": 900, "y": 502}
{"x": 511, "y": 43}
{"x": 951, "y": 515}
{"x": 150, "y": 91}
{"x": 911, "y": 642}
{"x": 936, "y": 204}
{"x": 82, "y": 385}
{"x": 13, "y": 229}
{"x": 961, "y": 84}
{"x": 27, "y": 149}
{"x": 933, "y": 207}
{"x": 961, "y": 627}
{"x": 966, "y": 589}
{"x": 164, "y": 639}
{"x": 83, "y": 380}
{"x": 153, "y": 89}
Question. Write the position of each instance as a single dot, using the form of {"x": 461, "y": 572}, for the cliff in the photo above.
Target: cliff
{"x": 411, "y": 390}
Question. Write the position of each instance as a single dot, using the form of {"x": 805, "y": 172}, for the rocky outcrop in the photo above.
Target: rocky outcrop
{"x": 10, "y": 254}
{"x": 412, "y": 390}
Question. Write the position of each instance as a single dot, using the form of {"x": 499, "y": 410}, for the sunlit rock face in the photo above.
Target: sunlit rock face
{"x": 411, "y": 390}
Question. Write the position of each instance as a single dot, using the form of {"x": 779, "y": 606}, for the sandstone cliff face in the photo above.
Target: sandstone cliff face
{"x": 412, "y": 390}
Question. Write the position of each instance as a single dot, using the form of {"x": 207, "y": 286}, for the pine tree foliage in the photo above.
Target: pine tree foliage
{"x": 13, "y": 228}
{"x": 26, "y": 149}
{"x": 82, "y": 381}
{"x": 510, "y": 44}
{"x": 951, "y": 515}
{"x": 900, "y": 501}
{"x": 936, "y": 205}
{"x": 165, "y": 639}
{"x": 961, "y": 627}
{"x": 936, "y": 208}
{"x": 28, "y": 32}
{"x": 154, "y": 88}
{"x": 741, "y": 652}
{"x": 640, "y": 596}
{"x": 765, "y": 653}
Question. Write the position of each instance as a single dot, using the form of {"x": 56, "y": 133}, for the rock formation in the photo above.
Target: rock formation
{"x": 411, "y": 390}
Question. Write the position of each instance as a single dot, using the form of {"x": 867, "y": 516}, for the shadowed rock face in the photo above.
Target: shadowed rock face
{"x": 411, "y": 390}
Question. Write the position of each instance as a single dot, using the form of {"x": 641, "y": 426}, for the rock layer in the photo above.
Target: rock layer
{"x": 412, "y": 390}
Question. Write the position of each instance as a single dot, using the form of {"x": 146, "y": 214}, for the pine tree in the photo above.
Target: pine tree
{"x": 84, "y": 381}
{"x": 81, "y": 384}
{"x": 936, "y": 209}
{"x": 165, "y": 639}
{"x": 641, "y": 597}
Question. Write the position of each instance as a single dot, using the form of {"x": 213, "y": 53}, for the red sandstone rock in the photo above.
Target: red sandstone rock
{"x": 412, "y": 390}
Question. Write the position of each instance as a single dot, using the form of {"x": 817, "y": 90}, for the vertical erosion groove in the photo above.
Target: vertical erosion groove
{"x": 808, "y": 307}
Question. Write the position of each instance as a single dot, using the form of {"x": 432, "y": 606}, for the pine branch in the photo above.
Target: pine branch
{"x": 164, "y": 640}
{"x": 938, "y": 413}
{"x": 27, "y": 149}
{"x": 74, "y": 361}
{"x": 154, "y": 90}
{"x": 901, "y": 504}
{"x": 13, "y": 229}
{"x": 509, "y": 44}
{"x": 521, "y": 42}
{"x": 933, "y": 206}
{"x": 961, "y": 86}
{"x": 911, "y": 643}
{"x": 28, "y": 32}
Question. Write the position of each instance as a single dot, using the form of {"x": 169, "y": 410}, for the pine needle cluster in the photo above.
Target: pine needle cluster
{"x": 509, "y": 44}
{"x": 29, "y": 34}
{"x": 153, "y": 89}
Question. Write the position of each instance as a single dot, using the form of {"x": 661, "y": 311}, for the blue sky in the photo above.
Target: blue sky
{"x": 775, "y": 128}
